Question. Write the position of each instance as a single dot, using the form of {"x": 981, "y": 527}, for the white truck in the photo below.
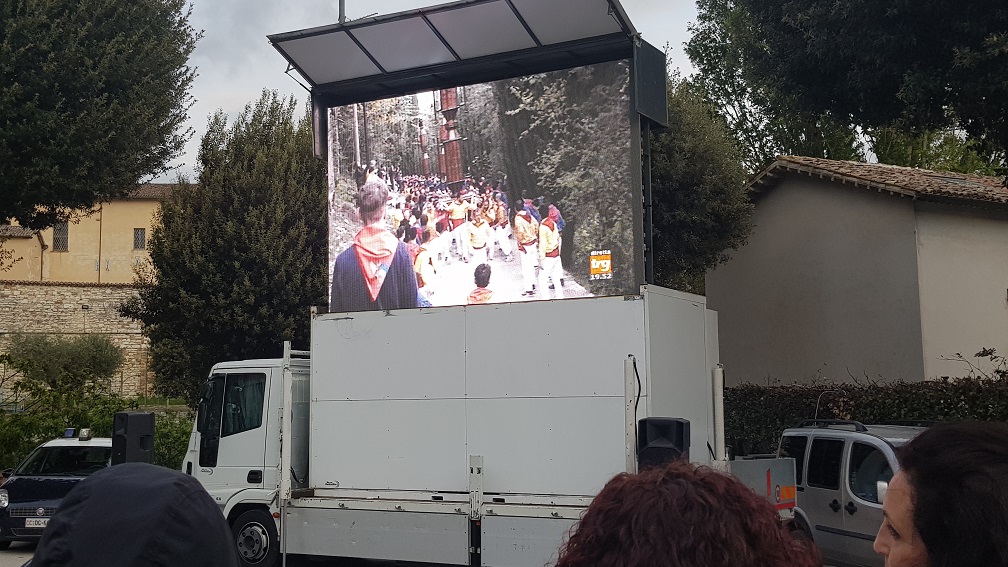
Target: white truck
{"x": 467, "y": 435}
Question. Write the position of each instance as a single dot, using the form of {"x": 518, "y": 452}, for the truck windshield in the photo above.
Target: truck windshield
{"x": 65, "y": 461}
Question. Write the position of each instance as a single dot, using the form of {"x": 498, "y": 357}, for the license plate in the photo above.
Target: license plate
{"x": 36, "y": 522}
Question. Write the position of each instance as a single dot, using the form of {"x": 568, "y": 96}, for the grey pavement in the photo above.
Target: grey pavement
{"x": 16, "y": 554}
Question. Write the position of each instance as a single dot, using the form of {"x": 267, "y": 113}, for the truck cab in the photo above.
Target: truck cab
{"x": 842, "y": 468}
{"x": 235, "y": 453}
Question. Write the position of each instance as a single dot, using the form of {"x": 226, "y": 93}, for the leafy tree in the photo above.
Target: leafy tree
{"x": 700, "y": 207}
{"x": 238, "y": 259}
{"x": 917, "y": 66}
{"x": 943, "y": 150}
{"x": 764, "y": 120}
{"x": 56, "y": 361}
{"x": 58, "y": 383}
{"x": 93, "y": 95}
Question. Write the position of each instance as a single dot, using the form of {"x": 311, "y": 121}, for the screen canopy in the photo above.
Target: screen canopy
{"x": 452, "y": 44}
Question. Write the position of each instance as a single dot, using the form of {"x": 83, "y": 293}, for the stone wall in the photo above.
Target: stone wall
{"x": 69, "y": 309}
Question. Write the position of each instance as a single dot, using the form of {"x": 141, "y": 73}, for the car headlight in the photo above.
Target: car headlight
{"x": 4, "y": 499}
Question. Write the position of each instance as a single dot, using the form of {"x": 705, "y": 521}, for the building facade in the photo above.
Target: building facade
{"x": 70, "y": 279}
{"x": 864, "y": 271}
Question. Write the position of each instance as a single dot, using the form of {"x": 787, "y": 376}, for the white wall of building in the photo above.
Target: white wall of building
{"x": 963, "y": 267}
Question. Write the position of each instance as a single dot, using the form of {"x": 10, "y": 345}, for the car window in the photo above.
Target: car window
{"x": 824, "y": 463}
{"x": 794, "y": 446}
{"x": 65, "y": 461}
{"x": 868, "y": 465}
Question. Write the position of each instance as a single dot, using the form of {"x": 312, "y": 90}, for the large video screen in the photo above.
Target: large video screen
{"x": 514, "y": 190}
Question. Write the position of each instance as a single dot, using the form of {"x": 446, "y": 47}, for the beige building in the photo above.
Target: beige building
{"x": 103, "y": 246}
{"x": 70, "y": 279}
{"x": 864, "y": 271}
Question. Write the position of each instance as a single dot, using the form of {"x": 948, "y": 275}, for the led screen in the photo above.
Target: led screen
{"x": 514, "y": 190}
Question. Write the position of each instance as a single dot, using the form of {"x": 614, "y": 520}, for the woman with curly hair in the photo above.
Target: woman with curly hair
{"x": 682, "y": 515}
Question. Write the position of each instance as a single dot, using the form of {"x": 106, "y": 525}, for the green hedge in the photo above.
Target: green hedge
{"x": 22, "y": 432}
{"x": 755, "y": 416}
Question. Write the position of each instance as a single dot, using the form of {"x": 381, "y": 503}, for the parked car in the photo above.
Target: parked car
{"x": 35, "y": 488}
{"x": 842, "y": 469}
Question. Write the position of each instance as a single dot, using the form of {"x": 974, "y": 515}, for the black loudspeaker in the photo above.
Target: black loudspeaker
{"x": 132, "y": 437}
{"x": 661, "y": 440}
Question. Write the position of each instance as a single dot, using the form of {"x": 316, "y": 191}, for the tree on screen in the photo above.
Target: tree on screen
{"x": 238, "y": 259}
{"x": 568, "y": 135}
{"x": 93, "y": 97}
{"x": 701, "y": 209}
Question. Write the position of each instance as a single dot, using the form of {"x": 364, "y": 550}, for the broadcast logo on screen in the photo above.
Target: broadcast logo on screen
{"x": 601, "y": 265}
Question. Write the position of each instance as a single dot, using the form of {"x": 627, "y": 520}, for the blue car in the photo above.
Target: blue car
{"x": 34, "y": 489}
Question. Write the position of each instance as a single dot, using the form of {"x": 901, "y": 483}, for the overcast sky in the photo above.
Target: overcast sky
{"x": 235, "y": 62}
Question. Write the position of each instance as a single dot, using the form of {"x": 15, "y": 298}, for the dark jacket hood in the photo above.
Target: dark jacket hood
{"x": 137, "y": 514}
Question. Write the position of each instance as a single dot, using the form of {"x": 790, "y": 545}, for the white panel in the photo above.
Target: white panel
{"x": 402, "y": 536}
{"x": 508, "y": 541}
{"x": 566, "y": 446}
{"x": 389, "y": 444}
{"x": 407, "y": 354}
{"x": 573, "y": 347}
{"x": 558, "y": 21}
{"x": 482, "y": 29}
{"x": 677, "y": 363}
{"x": 316, "y": 56}
{"x": 403, "y": 44}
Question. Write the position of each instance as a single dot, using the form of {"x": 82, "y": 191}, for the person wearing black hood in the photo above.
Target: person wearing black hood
{"x": 136, "y": 514}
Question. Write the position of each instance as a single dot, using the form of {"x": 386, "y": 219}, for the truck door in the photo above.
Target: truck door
{"x": 231, "y": 439}
{"x": 866, "y": 465}
{"x": 822, "y": 499}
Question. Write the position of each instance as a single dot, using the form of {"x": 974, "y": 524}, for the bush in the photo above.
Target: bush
{"x": 171, "y": 438}
{"x": 755, "y": 416}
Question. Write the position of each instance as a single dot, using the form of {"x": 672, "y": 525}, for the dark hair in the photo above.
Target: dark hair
{"x": 426, "y": 236}
{"x": 682, "y": 515}
{"x": 482, "y": 275}
{"x": 410, "y": 234}
{"x": 958, "y": 473}
{"x": 371, "y": 199}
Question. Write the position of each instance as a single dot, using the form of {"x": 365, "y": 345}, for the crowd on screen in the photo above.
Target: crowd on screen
{"x": 438, "y": 224}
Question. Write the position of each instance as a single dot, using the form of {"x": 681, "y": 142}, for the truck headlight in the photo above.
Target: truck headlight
{"x": 4, "y": 499}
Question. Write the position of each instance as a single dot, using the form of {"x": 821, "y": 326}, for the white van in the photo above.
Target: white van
{"x": 842, "y": 468}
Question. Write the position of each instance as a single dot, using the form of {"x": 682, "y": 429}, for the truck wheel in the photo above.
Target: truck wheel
{"x": 255, "y": 538}
{"x": 4, "y": 545}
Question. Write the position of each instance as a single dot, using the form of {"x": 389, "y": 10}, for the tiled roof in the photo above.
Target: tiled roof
{"x": 918, "y": 183}
{"x": 14, "y": 231}
{"x": 154, "y": 191}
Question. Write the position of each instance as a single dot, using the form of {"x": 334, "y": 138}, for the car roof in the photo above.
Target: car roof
{"x": 893, "y": 434}
{"x": 76, "y": 442}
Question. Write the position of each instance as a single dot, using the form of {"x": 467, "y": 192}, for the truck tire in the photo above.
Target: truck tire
{"x": 255, "y": 538}
{"x": 4, "y": 545}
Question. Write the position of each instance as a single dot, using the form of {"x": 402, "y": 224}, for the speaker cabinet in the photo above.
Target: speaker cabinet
{"x": 132, "y": 437}
{"x": 661, "y": 440}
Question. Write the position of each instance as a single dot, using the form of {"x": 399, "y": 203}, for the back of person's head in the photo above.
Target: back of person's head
{"x": 136, "y": 514}
{"x": 682, "y": 515}
{"x": 482, "y": 275}
{"x": 958, "y": 474}
{"x": 371, "y": 199}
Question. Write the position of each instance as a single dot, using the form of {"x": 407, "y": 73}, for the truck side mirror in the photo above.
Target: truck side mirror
{"x": 880, "y": 488}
